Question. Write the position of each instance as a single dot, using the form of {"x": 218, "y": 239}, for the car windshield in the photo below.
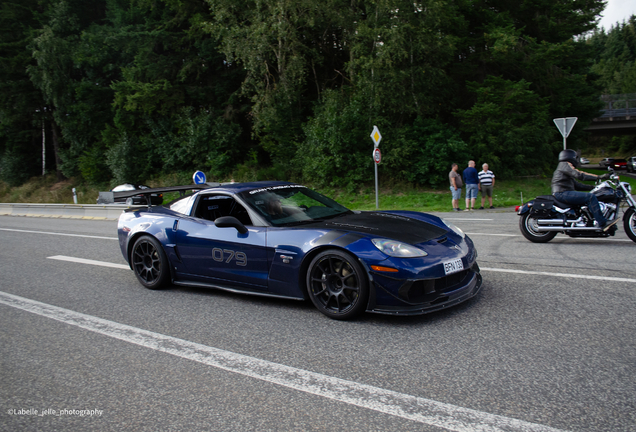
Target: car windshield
{"x": 289, "y": 205}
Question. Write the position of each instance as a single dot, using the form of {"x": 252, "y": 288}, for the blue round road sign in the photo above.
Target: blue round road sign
{"x": 199, "y": 177}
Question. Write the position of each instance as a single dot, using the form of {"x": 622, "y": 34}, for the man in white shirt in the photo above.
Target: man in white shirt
{"x": 486, "y": 184}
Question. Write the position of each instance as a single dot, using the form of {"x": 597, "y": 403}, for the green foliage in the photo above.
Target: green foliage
{"x": 70, "y": 73}
{"x": 615, "y": 57}
{"x": 622, "y": 146}
{"x": 92, "y": 166}
{"x": 282, "y": 45}
{"x": 12, "y": 169}
{"x": 423, "y": 153}
{"x": 337, "y": 149}
{"x": 125, "y": 158}
{"x": 195, "y": 139}
{"x": 129, "y": 89}
{"x": 400, "y": 54}
{"x": 507, "y": 127}
{"x": 21, "y": 112}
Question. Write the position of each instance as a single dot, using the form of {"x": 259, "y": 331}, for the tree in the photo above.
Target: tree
{"x": 283, "y": 45}
{"x": 615, "y": 57}
{"x": 21, "y": 105}
{"x": 529, "y": 44}
{"x": 507, "y": 127}
{"x": 134, "y": 88}
{"x": 75, "y": 95}
{"x": 175, "y": 105}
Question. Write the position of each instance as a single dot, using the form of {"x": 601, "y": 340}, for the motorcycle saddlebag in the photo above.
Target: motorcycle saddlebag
{"x": 542, "y": 205}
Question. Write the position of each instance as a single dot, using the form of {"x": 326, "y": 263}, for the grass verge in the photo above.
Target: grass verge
{"x": 507, "y": 193}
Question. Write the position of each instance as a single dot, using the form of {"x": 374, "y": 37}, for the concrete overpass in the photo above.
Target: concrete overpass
{"x": 618, "y": 116}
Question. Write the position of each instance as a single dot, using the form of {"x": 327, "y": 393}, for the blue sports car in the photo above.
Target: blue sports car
{"x": 285, "y": 240}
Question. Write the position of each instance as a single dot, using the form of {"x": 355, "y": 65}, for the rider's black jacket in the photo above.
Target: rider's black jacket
{"x": 564, "y": 177}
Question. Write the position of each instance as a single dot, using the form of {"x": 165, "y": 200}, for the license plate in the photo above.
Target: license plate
{"x": 453, "y": 266}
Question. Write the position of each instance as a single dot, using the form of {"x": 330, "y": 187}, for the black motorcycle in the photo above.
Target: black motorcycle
{"x": 544, "y": 217}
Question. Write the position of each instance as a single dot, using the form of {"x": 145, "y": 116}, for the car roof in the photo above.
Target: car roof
{"x": 236, "y": 188}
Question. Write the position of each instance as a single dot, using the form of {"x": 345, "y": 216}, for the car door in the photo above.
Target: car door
{"x": 222, "y": 255}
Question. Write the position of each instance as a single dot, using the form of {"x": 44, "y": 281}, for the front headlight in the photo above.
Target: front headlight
{"x": 455, "y": 228}
{"x": 398, "y": 249}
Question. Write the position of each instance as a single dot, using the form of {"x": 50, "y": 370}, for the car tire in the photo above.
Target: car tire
{"x": 149, "y": 262}
{"x": 337, "y": 284}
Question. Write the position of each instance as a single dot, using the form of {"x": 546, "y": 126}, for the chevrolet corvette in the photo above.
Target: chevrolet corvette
{"x": 281, "y": 239}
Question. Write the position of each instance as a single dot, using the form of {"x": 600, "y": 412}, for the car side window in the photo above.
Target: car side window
{"x": 212, "y": 207}
{"x": 181, "y": 205}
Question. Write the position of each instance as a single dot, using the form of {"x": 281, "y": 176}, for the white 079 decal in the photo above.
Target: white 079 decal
{"x": 227, "y": 255}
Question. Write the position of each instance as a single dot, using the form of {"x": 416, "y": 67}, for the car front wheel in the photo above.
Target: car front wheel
{"x": 149, "y": 262}
{"x": 337, "y": 284}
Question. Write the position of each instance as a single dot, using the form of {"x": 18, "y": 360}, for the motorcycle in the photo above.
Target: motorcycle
{"x": 544, "y": 217}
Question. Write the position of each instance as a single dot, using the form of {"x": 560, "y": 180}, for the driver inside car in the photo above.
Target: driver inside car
{"x": 566, "y": 189}
{"x": 274, "y": 207}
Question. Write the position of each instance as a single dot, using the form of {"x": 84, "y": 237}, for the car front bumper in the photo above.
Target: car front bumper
{"x": 418, "y": 297}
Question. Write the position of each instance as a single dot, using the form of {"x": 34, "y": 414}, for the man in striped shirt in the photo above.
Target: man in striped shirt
{"x": 486, "y": 183}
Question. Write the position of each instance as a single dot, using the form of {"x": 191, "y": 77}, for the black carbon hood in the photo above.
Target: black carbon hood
{"x": 387, "y": 225}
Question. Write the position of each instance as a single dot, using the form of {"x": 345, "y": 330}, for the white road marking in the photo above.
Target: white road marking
{"x": 88, "y": 261}
{"x": 59, "y": 234}
{"x": 530, "y": 272}
{"x": 557, "y": 238}
{"x": 467, "y": 219}
{"x": 567, "y": 275}
{"x": 430, "y": 412}
{"x": 500, "y": 235}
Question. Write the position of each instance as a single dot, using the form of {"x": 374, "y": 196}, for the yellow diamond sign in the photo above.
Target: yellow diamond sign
{"x": 376, "y": 136}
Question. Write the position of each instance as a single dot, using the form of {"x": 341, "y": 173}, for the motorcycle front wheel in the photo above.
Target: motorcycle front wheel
{"x": 629, "y": 223}
{"x": 528, "y": 226}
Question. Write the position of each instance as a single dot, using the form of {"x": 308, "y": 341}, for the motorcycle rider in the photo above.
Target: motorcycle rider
{"x": 566, "y": 189}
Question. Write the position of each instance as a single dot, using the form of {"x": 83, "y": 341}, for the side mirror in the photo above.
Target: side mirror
{"x": 230, "y": 222}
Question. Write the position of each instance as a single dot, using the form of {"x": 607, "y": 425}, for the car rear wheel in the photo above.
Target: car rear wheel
{"x": 337, "y": 284}
{"x": 149, "y": 262}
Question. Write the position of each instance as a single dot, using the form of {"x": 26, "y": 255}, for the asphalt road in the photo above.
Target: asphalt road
{"x": 86, "y": 347}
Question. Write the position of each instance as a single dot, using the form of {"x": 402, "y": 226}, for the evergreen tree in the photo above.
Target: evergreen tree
{"x": 73, "y": 94}
{"x": 614, "y": 57}
{"x": 127, "y": 89}
{"x": 22, "y": 109}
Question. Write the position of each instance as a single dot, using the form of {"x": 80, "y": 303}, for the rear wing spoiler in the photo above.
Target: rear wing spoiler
{"x": 109, "y": 197}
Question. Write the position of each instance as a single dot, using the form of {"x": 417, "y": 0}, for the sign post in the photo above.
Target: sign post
{"x": 565, "y": 126}
{"x": 376, "y": 136}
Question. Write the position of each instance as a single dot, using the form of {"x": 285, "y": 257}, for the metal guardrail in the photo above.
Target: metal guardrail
{"x": 70, "y": 211}
{"x": 618, "y": 105}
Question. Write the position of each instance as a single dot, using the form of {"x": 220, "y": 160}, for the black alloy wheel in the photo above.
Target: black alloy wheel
{"x": 337, "y": 284}
{"x": 149, "y": 262}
